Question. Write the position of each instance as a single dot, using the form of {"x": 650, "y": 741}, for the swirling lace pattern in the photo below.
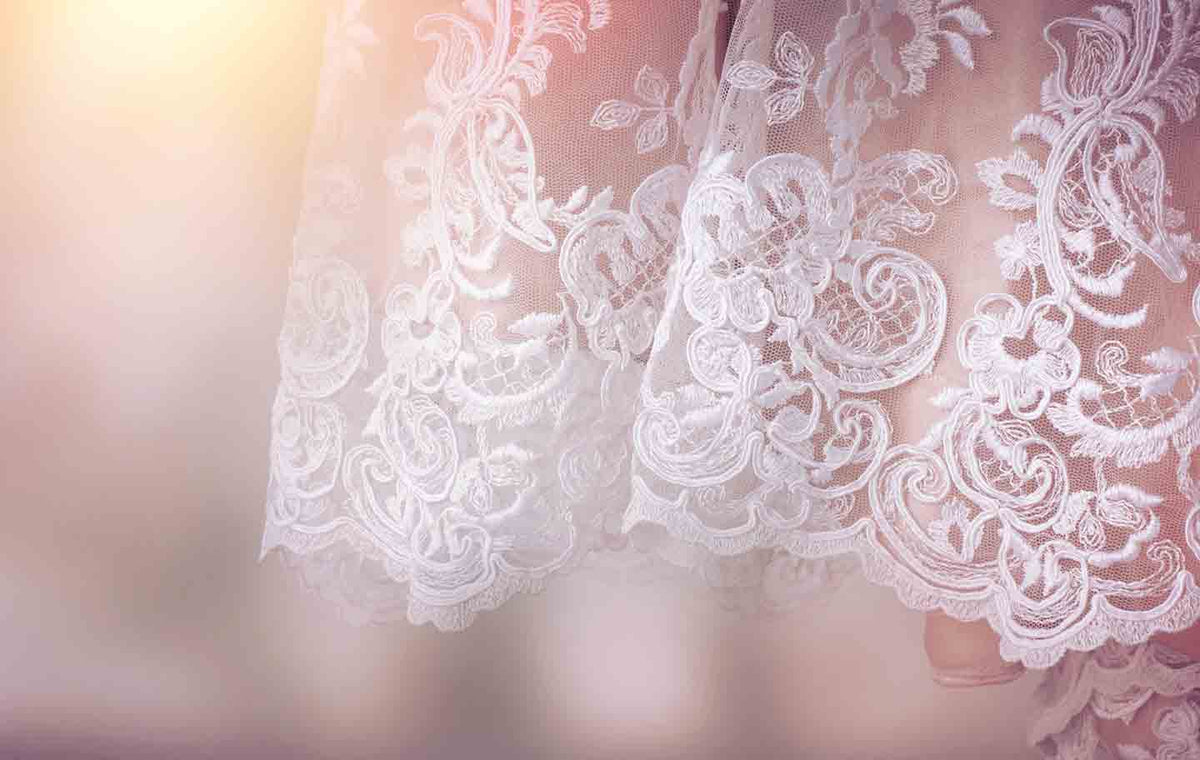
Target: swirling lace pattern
{"x": 707, "y": 358}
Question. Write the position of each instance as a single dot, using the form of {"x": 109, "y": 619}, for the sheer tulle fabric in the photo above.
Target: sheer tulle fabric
{"x": 750, "y": 289}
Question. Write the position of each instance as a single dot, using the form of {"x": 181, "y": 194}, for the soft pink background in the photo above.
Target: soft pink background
{"x": 150, "y": 161}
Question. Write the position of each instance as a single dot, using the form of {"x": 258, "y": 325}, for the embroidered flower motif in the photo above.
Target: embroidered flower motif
{"x": 1019, "y": 252}
{"x": 995, "y": 173}
{"x": 421, "y": 335}
{"x": 1019, "y": 356}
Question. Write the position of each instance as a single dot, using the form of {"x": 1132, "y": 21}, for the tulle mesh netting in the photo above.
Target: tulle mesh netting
{"x": 750, "y": 288}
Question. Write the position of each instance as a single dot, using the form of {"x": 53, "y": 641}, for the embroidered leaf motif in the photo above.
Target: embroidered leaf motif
{"x": 784, "y": 105}
{"x": 615, "y": 114}
{"x": 971, "y": 21}
{"x": 793, "y": 55}
{"x": 960, "y": 46}
{"x": 1167, "y": 359}
{"x": 1091, "y": 533}
{"x": 652, "y": 134}
{"x": 576, "y": 200}
{"x": 536, "y": 325}
{"x": 651, "y": 86}
{"x": 750, "y": 75}
{"x": 794, "y": 58}
{"x": 1074, "y": 508}
{"x": 949, "y": 396}
{"x": 1170, "y": 364}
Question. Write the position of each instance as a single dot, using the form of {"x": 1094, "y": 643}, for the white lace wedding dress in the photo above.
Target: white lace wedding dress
{"x": 748, "y": 289}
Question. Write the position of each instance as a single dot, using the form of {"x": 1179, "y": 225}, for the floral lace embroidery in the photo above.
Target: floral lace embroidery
{"x": 486, "y": 441}
{"x": 797, "y": 310}
{"x": 714, "y": 360}
{"x": 798, "y": 305}
{"x": 1074, "y": 542}
{"x": 1117, "y": 683}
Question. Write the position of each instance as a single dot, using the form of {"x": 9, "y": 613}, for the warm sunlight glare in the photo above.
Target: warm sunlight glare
{"x": 151, "y": 33}
{"x": 156, "y": 17}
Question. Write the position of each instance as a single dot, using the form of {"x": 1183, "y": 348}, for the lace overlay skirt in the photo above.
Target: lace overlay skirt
{"x": 1120, "y": 703}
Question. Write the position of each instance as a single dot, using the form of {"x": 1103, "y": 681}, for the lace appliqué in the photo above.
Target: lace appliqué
{"x": 1083, "y": 556}
{"x": 1118, "y": 683}
{"x": 712, "y": 367}
{"x": 794, "y": 303}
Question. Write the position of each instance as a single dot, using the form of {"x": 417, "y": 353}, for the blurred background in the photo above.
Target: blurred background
{"x": 150, "y": 162}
